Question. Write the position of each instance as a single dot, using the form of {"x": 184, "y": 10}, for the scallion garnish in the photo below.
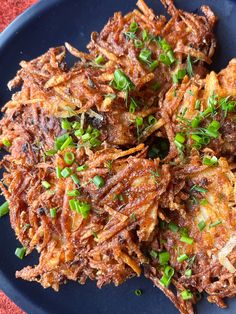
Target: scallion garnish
{"x": 179, "y": 75}
{"x": 58, "y": 172}
{"x": 66, "y": 143}
{"x": 121, "y": 81}
{"x": 188, "y": 273}
{"x": 69, "y": 158}
{"x": 138, "y": 43}
{"x": 133, "y": 26}
{"x": 145, "y": 35}
{"x": 189, "y": 66}
{"x": 73, "y": 193}
{"x": 153, "y": 253}
{"x": 168, "y": 274}
{"x": 201, "y": 225}
{"x": 210, "y": 161}
{"x": 138, "y": 292}
{"x": 198, "y": 188}
{"x": 133, "y": 105}
{"x": 99, "y": 60}
{"x": 164, "y": 257}
{"x": 4, "y": 209}
{"x": 51, "y": 152}
{"x": 173, "y": 227}
{"x": 182, "y": 258}
{"x": 82, "y": 168}
{"x": 98, "y": 181}
{"x": 53, "y": 212}
{"x": 214, "y": 224}
{"x": 6, "y": 142}
{"x": 186, "y": 239}
{"x": 20, "y": 252}
{"x": 151, "y": 120}
{"x": 65, "y": 124}
{"x": 46, "y": 184}
{"x": 75, "y": 178}
{"x": 186, "y": 295}
{"x": 66, "y": 172}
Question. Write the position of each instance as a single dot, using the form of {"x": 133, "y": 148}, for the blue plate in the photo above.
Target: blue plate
{"x": 50, "y": 23}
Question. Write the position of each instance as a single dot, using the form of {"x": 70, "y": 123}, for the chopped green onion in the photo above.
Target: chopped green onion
{"x": 79, "y": 133}
{"x": 138, "y": 292}
{"x": 189, "y": 66}
{"x": 73, "y": 193}
{"x": 82, "y": 168}
{"x": 60, "y": 140}
{"x": 214, "y": 224}
{"x": 82, "y": 208}
{"x": 138, "y": 43}
{"x": 173, "y": 227}
{"x": 58, "y": 172}
{"x": 98, "y": 181}
{"x": 183, "y": 231}
{"x": 164, "y": 257}
{"x": 187, "y": 240}
{"x": 198, "y": 188}
{"x": 204, "y": 201}
{"x": 164, "y": 59}
{"x": 100, "y": 59}
{"x": 66, "y": 172}
{"x": 179, "y": 75}
{"x": 76, "y": 125}
{"x": 46, "y": 184}
{"x": 151, "y": 119}
{"x": 195, "y": 122}
{"x": 122, "y": 81}
{"x": 145, "y": 35}
{"x": 186, "y": 295}
{"x": 168, "y": 274}
{"x": 67, "y": 143}
{"x": 182, "y": 258}
{"x": 154, "y": 65}
{"x": 198, "y": 104}
{"x": 75, "y": 178}
{"x": 145, "y": 55}
{"x": 170, "y": 55}
{"x": 188, "y": 272}
{"x": 65, "y": 124}
{"x": 53, "y": 212}
{"x": 72, "y": 203}
{"x": 153, "y": 253}
{"x": 190, "y": 92}
{"x": 212, "y": 161}
{"x": 179, "y": 137}
{"x": 6, "y": 142}
{"x": 133, "y": 105}
{"x": 201, "y": 225}
{"x": 51, "y": 152}
{"x": 139, "y": 121}
{"x": 4, "y": 209}
{"x": 133, "y": 27}
{"x": 69, "y": 158}
{"x": 20, "y": 252}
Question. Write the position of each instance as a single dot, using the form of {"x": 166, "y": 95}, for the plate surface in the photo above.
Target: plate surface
{"x": 50, "y": 23}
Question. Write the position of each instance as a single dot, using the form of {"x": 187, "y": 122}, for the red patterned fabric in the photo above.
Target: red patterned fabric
{"x": 9, "y": 10}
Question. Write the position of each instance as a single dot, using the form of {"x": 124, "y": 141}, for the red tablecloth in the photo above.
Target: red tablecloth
{"x": 9, "y": 9}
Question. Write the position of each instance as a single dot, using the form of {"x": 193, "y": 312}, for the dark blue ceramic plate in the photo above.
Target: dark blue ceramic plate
{"x": 50, "y": 23}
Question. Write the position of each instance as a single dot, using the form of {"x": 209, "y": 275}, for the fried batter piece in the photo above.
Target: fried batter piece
{"x": 204, "y": 214}
{"x": 190, "y": 107}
